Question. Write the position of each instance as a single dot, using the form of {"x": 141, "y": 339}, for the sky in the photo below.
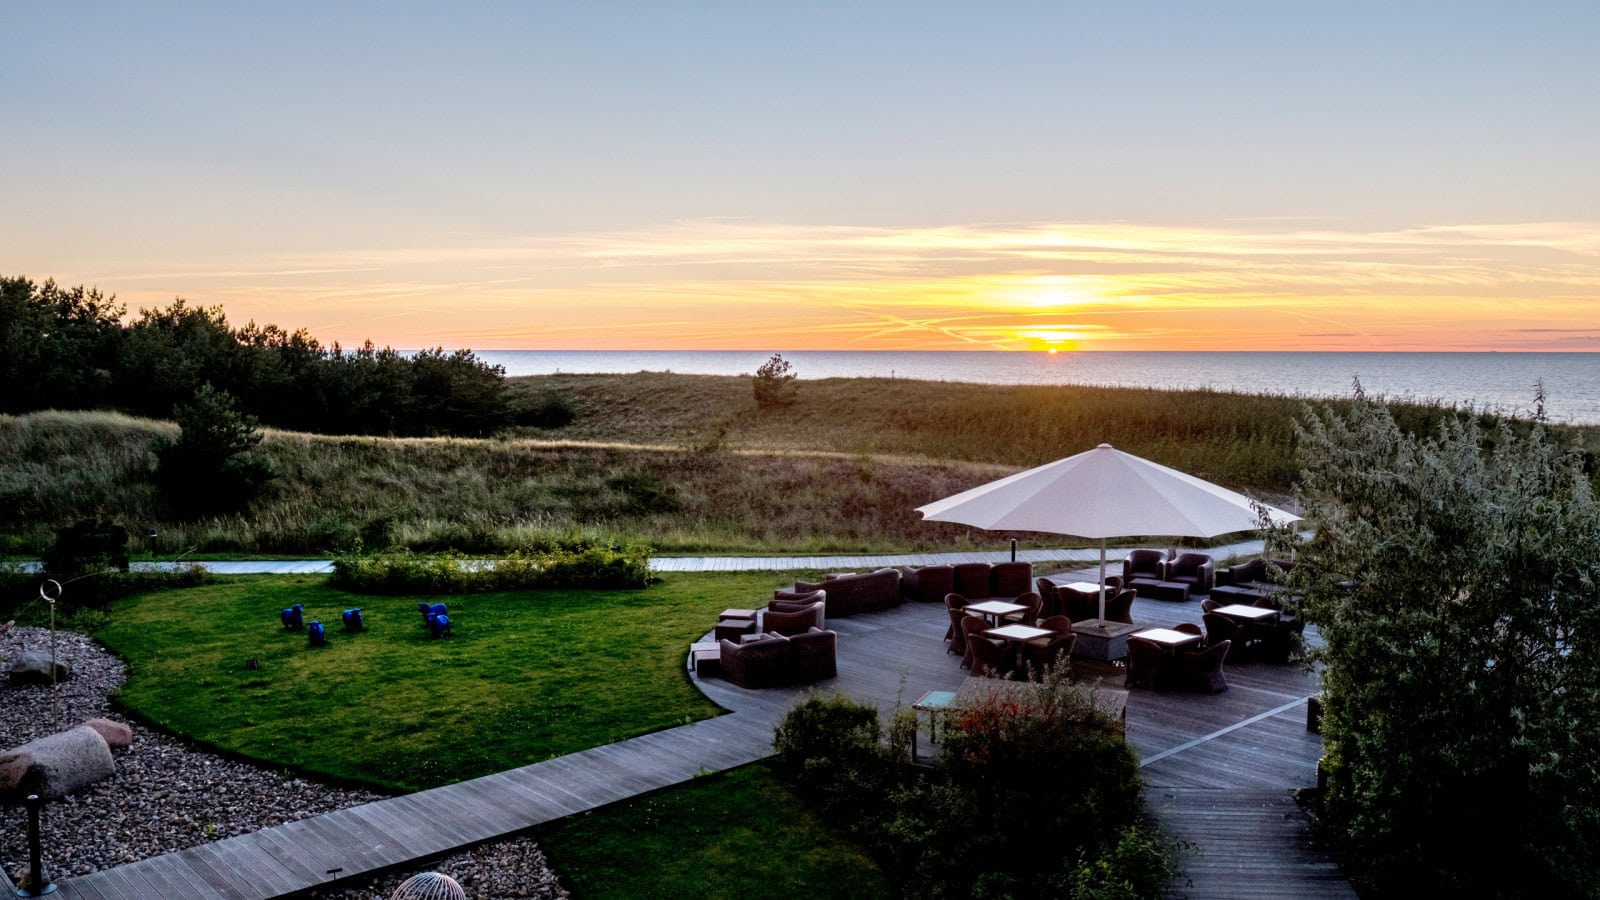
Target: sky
{"x": 820, "y": 176}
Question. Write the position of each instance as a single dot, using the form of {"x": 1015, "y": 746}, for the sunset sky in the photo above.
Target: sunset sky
{"x": 1385, "y": 176}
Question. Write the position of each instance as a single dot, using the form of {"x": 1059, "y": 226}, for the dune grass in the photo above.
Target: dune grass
{"x": 732, "y": 835}
{"x": 684, "y": 463}
{"x": 527, "y": 675}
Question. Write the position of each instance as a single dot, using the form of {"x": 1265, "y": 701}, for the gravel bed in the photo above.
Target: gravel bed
{"x": 166, "y": 796}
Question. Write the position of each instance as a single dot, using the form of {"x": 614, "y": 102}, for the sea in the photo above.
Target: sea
{"x": 1503, "y": 382}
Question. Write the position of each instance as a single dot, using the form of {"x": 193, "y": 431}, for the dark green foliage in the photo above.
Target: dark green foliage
{"x": 19, "y": 591}
{"x": 1462, "y": 715}
{"x": 552, "y": 409}
{"x": 1032, "y": 797}
{"x": 774, "y": 383}
{"x": 452, "y": 573}
{"x": 88, "y": 545}
{"x": 58, "y": 346}
{"x": 211, "y": 467}
{"x": 67, "y": 349}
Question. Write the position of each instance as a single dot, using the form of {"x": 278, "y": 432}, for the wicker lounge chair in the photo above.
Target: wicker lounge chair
{"x": 1201, "y": 670}
{"x": 1147, "y": 664}
{"x": 758, "y": 664}
{"x": 927, "y": 584}
{"x": 972, "y": 579}
{"x": 790, "y": 622}
{"x": 1151, "y": 564}
{"x": 1010, "y": 579}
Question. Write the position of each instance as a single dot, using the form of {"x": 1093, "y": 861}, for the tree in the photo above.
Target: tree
{"x": 774, "y": 383}
{"x": 58, "y": 346}
{"x": 1455, "y": 580}
{"x": 88, "y": 546}
{"x": 211, "y": 468}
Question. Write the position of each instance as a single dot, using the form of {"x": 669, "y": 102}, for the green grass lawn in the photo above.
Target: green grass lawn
{"x": 733, "y": 835}
{"x": 527, "y": 675}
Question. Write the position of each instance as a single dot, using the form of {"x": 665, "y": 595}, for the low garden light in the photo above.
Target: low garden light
{"x": 37, "y": 885}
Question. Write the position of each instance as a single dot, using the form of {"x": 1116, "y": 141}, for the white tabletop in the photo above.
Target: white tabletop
{"x": 1168, "y": 636}
{"x": 1019, "y": 632}
{"x": 995, "y": 608}
{"x": 1241, "y": 611}
{"x": 1082, "y": 587}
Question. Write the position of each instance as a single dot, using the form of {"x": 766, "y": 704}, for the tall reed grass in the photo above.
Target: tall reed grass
{"x": 683, "y": 463}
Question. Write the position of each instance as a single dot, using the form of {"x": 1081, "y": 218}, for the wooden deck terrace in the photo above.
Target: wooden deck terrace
{"x": 1219, "y": 768}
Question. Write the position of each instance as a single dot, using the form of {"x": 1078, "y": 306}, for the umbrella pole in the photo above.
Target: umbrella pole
{"x": 1102, "y": 581}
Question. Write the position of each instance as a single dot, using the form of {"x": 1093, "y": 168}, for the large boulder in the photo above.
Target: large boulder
{"x": 117, "y": 735}
{"x": 33, "y": 667}
{"x": 55, "y": 765}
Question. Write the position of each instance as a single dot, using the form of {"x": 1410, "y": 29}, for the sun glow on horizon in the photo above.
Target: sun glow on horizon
{"x": 726, "y": 285}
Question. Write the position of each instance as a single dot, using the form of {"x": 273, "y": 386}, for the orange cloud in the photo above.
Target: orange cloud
{"x": 734, "y": 285}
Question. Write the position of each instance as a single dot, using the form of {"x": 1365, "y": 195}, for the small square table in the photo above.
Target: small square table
{"x": 994, "y": 610}
{"x": 1168, "y": 638}
{"x": 1248, "y": 613}
{"x": 738, "y": 614}
{"x": 1021, "y": 633}
{"x": 933, "y": 703}
{"x": 1083, "y": 587}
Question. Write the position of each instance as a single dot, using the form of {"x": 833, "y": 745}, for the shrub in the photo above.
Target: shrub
{"x": 774, "y": 383}
{"x": 88, "y": 545}
{"x": 1453, "y": 579}
{"x": 453, "y": 573}
{"x": 554, "y": 409}
{"x": 19, "y": 590}
{"x": 986, "y": 819}
{"x": 211, "y": 468}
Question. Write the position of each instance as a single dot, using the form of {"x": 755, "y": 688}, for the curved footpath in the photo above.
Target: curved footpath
{"x": 1077, "y": 555}
{"x": 1219, "y": 768}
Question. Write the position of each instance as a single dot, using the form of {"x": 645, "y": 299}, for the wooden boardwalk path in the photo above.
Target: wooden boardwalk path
{"x": 1219, "y": 770}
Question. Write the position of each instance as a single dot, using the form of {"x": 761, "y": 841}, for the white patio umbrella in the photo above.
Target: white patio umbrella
{"x": 1104, "y": 493}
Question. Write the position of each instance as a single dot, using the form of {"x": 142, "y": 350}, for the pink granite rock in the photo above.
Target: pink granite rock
{"x": 117, "y": 735}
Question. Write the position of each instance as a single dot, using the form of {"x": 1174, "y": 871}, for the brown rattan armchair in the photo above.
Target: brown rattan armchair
{"x": 989, "y": 659}
{"x": 1150, "y": 564}
{"x": 1120, "y": 607}
{"x": 927, "y": 584}
{"x": 1197, "y": 570}
{"x": 953, "y": 602}
{"x": 816, "y": 655}
{"x": 790, "y": 622}
{"x": 1010, "y": 579}
{"x": 1147, "y": 664}
{"x": 972, "y": 579}
{"x": 1201, "y": 670}
{"x": 758, "y": 664}
{"x": 972, "y": 628}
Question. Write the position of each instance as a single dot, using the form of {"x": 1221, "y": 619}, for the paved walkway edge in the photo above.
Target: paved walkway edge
{"x": 735, "y": 563}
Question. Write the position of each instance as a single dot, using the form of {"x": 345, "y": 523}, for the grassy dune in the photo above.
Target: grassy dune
{"x": 686, "y": 463}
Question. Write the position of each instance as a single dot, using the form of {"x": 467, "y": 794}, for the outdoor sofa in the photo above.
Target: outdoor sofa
{"x": 774, "y": 660}
{"x": 852, "y": 593}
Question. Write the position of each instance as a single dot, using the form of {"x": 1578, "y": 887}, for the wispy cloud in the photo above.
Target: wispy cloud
{"x": 722, "y": 283}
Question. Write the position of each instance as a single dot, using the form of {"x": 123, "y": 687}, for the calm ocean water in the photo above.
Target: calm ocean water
{"x": 1502, "y": 381}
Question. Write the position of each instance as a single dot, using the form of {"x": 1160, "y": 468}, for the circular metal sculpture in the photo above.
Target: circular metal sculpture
{"x": 429, "y": 886}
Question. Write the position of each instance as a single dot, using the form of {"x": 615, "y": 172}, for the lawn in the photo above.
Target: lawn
{"x": 737, "y": 834}
{"x": 526, "y": 676}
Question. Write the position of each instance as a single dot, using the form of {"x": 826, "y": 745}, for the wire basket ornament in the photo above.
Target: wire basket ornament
{"x": 429, "y": 886}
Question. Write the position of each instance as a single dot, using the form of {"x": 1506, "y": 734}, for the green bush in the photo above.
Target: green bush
{"x": 88, "y": 545}
{"x": 554, "y": 409}
{"x": 19, "y": 590}
{"x": 1035, "y": 796}
{"x": 1453, "y": 581}
{"x": 452, "y": 573}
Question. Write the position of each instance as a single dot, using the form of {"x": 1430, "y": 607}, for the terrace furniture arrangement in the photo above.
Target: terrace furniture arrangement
{"x": 773, "y": 660}
{"x": 1260, "y": 632}
{"x": 1162, "y": 659}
